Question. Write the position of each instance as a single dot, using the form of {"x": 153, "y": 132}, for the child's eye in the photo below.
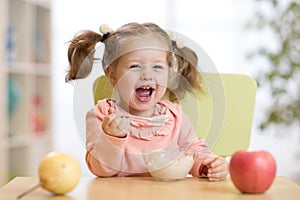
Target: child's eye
{"x": 158, "y": 67}
{"x": 134, "y": 66}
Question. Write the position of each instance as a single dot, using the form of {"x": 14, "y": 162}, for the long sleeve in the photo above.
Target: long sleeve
{"x": 111, "y": 156}
{"x": 103, "y": 151}
{"x": 189, "y": 140}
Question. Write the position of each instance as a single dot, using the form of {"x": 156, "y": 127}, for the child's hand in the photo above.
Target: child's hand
{"x": 217, "y": 167}
{"x": 116, "y": 125}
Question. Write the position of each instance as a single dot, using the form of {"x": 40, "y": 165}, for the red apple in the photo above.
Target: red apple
{"x": 252, "y": 172}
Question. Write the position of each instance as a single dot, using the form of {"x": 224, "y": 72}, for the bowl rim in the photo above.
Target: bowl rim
{"x": 182, "y": 152}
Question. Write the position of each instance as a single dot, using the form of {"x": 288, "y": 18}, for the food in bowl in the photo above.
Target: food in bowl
{"x": 168, "y": 165}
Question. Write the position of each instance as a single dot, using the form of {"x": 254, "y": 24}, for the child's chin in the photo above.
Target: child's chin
{"x": 143, "y": 105}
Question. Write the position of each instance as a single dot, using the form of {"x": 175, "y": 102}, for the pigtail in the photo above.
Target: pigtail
{"x": 189, "y": 78}
{"x": 188, "y": 69}
{"x": 81, "y": 55}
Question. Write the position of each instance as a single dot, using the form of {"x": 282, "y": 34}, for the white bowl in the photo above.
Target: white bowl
{"x": 168, "y": 165}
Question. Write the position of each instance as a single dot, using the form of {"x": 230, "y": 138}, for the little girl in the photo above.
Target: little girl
{"x": 144, "y": 66}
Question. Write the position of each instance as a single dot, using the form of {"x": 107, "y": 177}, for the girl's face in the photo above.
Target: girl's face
{"x": 141, "y": 78}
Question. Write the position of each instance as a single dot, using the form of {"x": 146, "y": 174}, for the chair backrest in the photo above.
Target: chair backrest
{"x": 223, "y": 114}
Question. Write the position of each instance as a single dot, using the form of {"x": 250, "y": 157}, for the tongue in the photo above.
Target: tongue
{"x": 143, "y": 94}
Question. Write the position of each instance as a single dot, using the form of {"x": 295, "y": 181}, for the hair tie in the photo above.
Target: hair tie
{"x": 105, "y": 30}
{"x": 176, "y": 42}
{"x": 104, "y": 37}
{"x": 173, "y": 44}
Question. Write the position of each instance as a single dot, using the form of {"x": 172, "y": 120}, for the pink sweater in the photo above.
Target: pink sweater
{"x": 112, "y": 156}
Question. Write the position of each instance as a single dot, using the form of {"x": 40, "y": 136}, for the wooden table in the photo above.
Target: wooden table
{"x": 132, "y": 188}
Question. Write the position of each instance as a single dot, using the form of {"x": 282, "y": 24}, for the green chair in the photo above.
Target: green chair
{"x": 223, "y": 114}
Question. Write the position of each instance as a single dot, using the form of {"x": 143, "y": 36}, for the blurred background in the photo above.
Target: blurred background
{"x": 260, "y": 38}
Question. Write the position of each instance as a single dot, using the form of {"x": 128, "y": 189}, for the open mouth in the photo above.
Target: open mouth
{"x": 144, "y": 93}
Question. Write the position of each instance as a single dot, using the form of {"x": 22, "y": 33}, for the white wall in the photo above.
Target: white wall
{"x": 215, "y": 25}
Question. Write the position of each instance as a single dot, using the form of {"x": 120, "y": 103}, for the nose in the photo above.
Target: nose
{"x": 146, "y": 73}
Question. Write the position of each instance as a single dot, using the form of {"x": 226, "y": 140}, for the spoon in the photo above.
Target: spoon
{"x": 155, "y": 119}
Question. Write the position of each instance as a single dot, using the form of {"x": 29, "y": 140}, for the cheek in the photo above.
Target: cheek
{"x": 124, "y": 78}
{"x": 162, "y": 79}
{"x": 126, "y": 85}
{"x": 125, "y": 92}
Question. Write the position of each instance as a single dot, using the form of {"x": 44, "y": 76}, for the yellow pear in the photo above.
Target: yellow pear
{"x": 59, "y": 172}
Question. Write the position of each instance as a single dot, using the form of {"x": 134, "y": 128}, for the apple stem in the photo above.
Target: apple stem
{"x": 28, "y": 191}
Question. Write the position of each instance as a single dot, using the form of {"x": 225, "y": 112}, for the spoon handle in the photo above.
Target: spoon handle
{"x": 155, "y": 119}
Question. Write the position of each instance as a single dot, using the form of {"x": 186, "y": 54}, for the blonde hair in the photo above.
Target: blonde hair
{"x": 82, "y": 48}
{"x": 189, "y": 78}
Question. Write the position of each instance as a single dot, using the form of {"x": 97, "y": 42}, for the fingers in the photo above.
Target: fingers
{"x": 107, "y": 123}
{"x": 217, "y": 168}
{"x": 116, "y": 125}
{"x": 218, "y": 173}
{"x": 209, "y": 160}
{"x": 123, "y": 123}
{"x": 217, "y": 176}
{"x": 111, "y": 110}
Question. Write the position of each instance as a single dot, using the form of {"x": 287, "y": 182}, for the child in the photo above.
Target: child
{"x": 140, "y": 64}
